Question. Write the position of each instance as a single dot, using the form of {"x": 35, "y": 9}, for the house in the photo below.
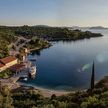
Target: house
{"x": 25, "y": 50}
{"x": 7, "y": 62}
{"x": 18, "y": 67}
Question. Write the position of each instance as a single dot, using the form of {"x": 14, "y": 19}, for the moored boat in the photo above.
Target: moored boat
{"x": 32, "y": 71}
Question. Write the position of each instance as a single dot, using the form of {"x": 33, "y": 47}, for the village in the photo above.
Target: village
{"x": 22, "y": 69}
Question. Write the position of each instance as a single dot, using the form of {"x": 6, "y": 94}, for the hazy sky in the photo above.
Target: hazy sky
{"x": 54, "y": 12}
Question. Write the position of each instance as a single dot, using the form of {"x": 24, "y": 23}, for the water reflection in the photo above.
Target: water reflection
{"x": 38, "y": 53}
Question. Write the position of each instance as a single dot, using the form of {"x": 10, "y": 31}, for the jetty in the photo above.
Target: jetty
{"x": 24, "y": 70}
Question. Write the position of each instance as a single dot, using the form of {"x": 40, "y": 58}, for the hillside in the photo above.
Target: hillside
{"x": 29, "y": 97}
{"x": 6, "y": 38}
{"x": 10, "y": 34}
{"x": 50, "y": 32}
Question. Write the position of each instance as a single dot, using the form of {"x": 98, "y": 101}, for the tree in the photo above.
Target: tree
{"x": 5, "y": 98}
{"x": 13, "y": 47}
{"x": 92, "y": 78}
{"x": 53, "y": 96}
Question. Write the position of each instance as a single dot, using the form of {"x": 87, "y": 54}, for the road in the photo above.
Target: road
{"x": 18, "y": 45}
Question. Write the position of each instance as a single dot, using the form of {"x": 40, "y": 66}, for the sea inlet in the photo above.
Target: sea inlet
{"x": 67, "y": 65}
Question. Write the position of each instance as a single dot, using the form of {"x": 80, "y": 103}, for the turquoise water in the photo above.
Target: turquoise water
{"x": 67, "y": 65}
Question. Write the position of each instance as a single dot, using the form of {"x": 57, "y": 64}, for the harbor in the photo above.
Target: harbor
{"x": 22, "y": 70}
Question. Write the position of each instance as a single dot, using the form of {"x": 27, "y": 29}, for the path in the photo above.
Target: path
{"x": 18, "y": 45}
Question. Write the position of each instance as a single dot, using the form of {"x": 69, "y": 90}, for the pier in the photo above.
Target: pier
{"x": 24, "y": 69}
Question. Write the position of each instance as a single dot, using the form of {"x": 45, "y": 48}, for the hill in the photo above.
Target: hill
{"x": 29, "y": 97}
{"x": 98, "y": 27}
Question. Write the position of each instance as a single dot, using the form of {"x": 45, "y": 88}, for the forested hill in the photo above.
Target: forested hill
{"x": 6, "y": 37}
{"x": 10, "y": 34}
{"x": 29, "y": 97}
{"x": 50, "y": 32}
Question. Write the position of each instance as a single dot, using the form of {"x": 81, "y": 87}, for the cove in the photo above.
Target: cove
{"x": 67, "y": 64}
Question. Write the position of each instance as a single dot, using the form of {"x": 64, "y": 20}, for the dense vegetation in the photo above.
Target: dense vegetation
{"x": 36, "y": 43}
{"x": 27, "y": 97}
{"x": 10, "y": 34}
{"x": 6, "y": 100}
{"x": 54, "y": 33}
{"x": 6, "y": 73}
{"x": 6, "y": 37}
{"x": 51, "y": 32}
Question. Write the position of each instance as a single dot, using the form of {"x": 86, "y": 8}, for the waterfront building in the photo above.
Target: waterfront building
{"x": 18, "y": 68}
{"x": 7, "y": 62}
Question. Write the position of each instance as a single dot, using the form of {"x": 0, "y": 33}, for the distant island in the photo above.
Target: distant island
{"x": 98, "y": 27}
{"x": 87, "y": 28}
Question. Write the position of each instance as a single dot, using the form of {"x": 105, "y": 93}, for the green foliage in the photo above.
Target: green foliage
{"x": 28, "y": 98}
{"x": 49, "y": 106}
{"x": 3, "y": 49}
{"x": 6, "y": 37}
{"x": 53, "y": 96}
{"x": 89, "y": 101}
{"x": 37, "y": 43}
{"x": 103, "y": 83}
{"x": 62, "y": 104}
{"x": 31, "y": 98}
{"x": 6, "y": 73}
{"x": 6, "y": 100}
{"x": 54, "y": 33}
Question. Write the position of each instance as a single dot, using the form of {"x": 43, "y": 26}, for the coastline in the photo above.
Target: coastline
{"x": 40, "y": 48}
{"x": 45, "y": 91}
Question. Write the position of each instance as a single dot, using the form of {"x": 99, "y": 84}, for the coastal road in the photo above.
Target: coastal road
{"x": 21, "y": 41}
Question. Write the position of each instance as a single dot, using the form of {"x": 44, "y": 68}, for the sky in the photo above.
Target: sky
{"x": 54, "y": 12}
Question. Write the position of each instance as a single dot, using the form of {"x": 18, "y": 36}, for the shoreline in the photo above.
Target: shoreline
{"x": 40, "y": 48}
{"x": 46, "y": 92}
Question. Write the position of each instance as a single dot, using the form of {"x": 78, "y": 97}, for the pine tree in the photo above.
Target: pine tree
{"x": 93, "y": 77}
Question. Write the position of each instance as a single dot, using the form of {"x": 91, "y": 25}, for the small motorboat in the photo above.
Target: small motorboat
{"x": 32, "y": 71}
{"x": 25, "y": 79}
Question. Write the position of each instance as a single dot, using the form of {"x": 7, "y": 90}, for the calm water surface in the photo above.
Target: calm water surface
{"x": 67, "y": 65}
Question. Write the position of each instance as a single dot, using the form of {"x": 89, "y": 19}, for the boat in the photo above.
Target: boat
{"x": 32, "y": 71}
{"x": 25, "y": 79}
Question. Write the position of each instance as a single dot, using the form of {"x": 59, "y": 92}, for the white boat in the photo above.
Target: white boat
{"x": 25, "y": 79}
{"x": 32, "y": 70}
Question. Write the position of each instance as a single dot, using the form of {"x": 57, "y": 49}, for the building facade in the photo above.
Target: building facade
{"x": 7, "y": 62}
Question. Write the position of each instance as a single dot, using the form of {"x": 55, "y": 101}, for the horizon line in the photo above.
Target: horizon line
{"x": 51, "y": 26}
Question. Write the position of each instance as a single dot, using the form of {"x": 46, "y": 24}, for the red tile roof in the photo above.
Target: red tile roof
{"x": 1, "y": 65}
{"x": 7, "y": 59}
